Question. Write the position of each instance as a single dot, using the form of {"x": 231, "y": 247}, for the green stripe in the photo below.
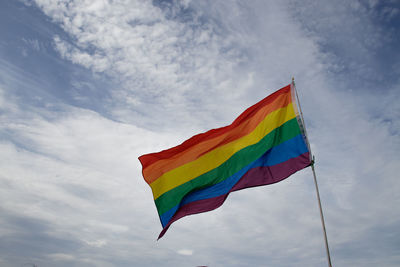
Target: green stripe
{"x": 239, "y": 160}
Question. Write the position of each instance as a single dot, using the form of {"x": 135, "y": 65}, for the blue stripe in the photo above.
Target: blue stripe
{"x": 291, "y": 148}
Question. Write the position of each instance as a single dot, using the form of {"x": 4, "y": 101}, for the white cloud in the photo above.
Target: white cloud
{"x": 153, "y": 53}
{"x": 72, "y": 176}
{"x": 61, "y": 257}
{"x": 97, "y": 243}
{"x": 33, "y": 43}
{"x": 185, "y": 252}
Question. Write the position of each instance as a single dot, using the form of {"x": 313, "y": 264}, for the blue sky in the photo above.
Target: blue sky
{"x": 88, "y": 86}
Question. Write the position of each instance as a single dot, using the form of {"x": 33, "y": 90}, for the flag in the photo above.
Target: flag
{"x": 264, "y": 145}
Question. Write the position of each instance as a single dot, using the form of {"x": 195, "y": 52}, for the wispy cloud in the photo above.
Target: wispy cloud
{"x": 141, "y": 76}
{"x": 167, "y": 49}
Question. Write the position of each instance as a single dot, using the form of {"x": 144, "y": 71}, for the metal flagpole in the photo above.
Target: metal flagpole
{"x": 321, "y": 213}
{"x": 315, "y": 182}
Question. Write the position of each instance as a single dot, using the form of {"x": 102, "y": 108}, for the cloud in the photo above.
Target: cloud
{"x": 148, "y": 46}
{"x": 97, "y": 243}
{"x": 61, "y": 257}
{"x": 33, "y": 43}
{"x": 71, "y": 185}
{"x": 361, "y": 54}
{"x": 185, "y": 252}
{"x": 49, "y": 177}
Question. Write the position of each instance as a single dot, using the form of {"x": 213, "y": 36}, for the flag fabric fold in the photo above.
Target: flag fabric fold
{"x": 264, "y": 145}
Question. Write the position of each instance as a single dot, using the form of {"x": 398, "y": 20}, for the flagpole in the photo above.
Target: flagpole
{"x": 321, "y": 213}
{"x": 315, "y": 181}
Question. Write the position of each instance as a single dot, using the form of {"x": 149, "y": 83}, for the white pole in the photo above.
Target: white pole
{"x": 315, "y": 182}
{"x": 321, "y": 213}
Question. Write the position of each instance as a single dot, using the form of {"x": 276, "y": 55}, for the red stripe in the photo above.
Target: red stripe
{"x": 148, "y": 159}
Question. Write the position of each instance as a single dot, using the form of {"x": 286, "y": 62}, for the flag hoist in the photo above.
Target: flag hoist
{"x": 315, "y": 179}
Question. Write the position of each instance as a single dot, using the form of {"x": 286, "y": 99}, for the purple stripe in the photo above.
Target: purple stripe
{"x": 254, "y": 177}
{"x": 272, "y": 174}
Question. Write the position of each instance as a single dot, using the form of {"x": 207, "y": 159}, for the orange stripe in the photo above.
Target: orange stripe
{"x": 148, "y": 159}
{"x": 155, "y": 170}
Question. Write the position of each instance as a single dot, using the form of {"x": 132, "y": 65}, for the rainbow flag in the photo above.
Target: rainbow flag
{"x": 264, "y": 145}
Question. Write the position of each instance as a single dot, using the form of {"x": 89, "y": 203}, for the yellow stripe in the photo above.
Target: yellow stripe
{"x": 216, "y": 157}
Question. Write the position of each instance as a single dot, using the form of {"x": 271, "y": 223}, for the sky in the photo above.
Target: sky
{"x": 88, "y": 86}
